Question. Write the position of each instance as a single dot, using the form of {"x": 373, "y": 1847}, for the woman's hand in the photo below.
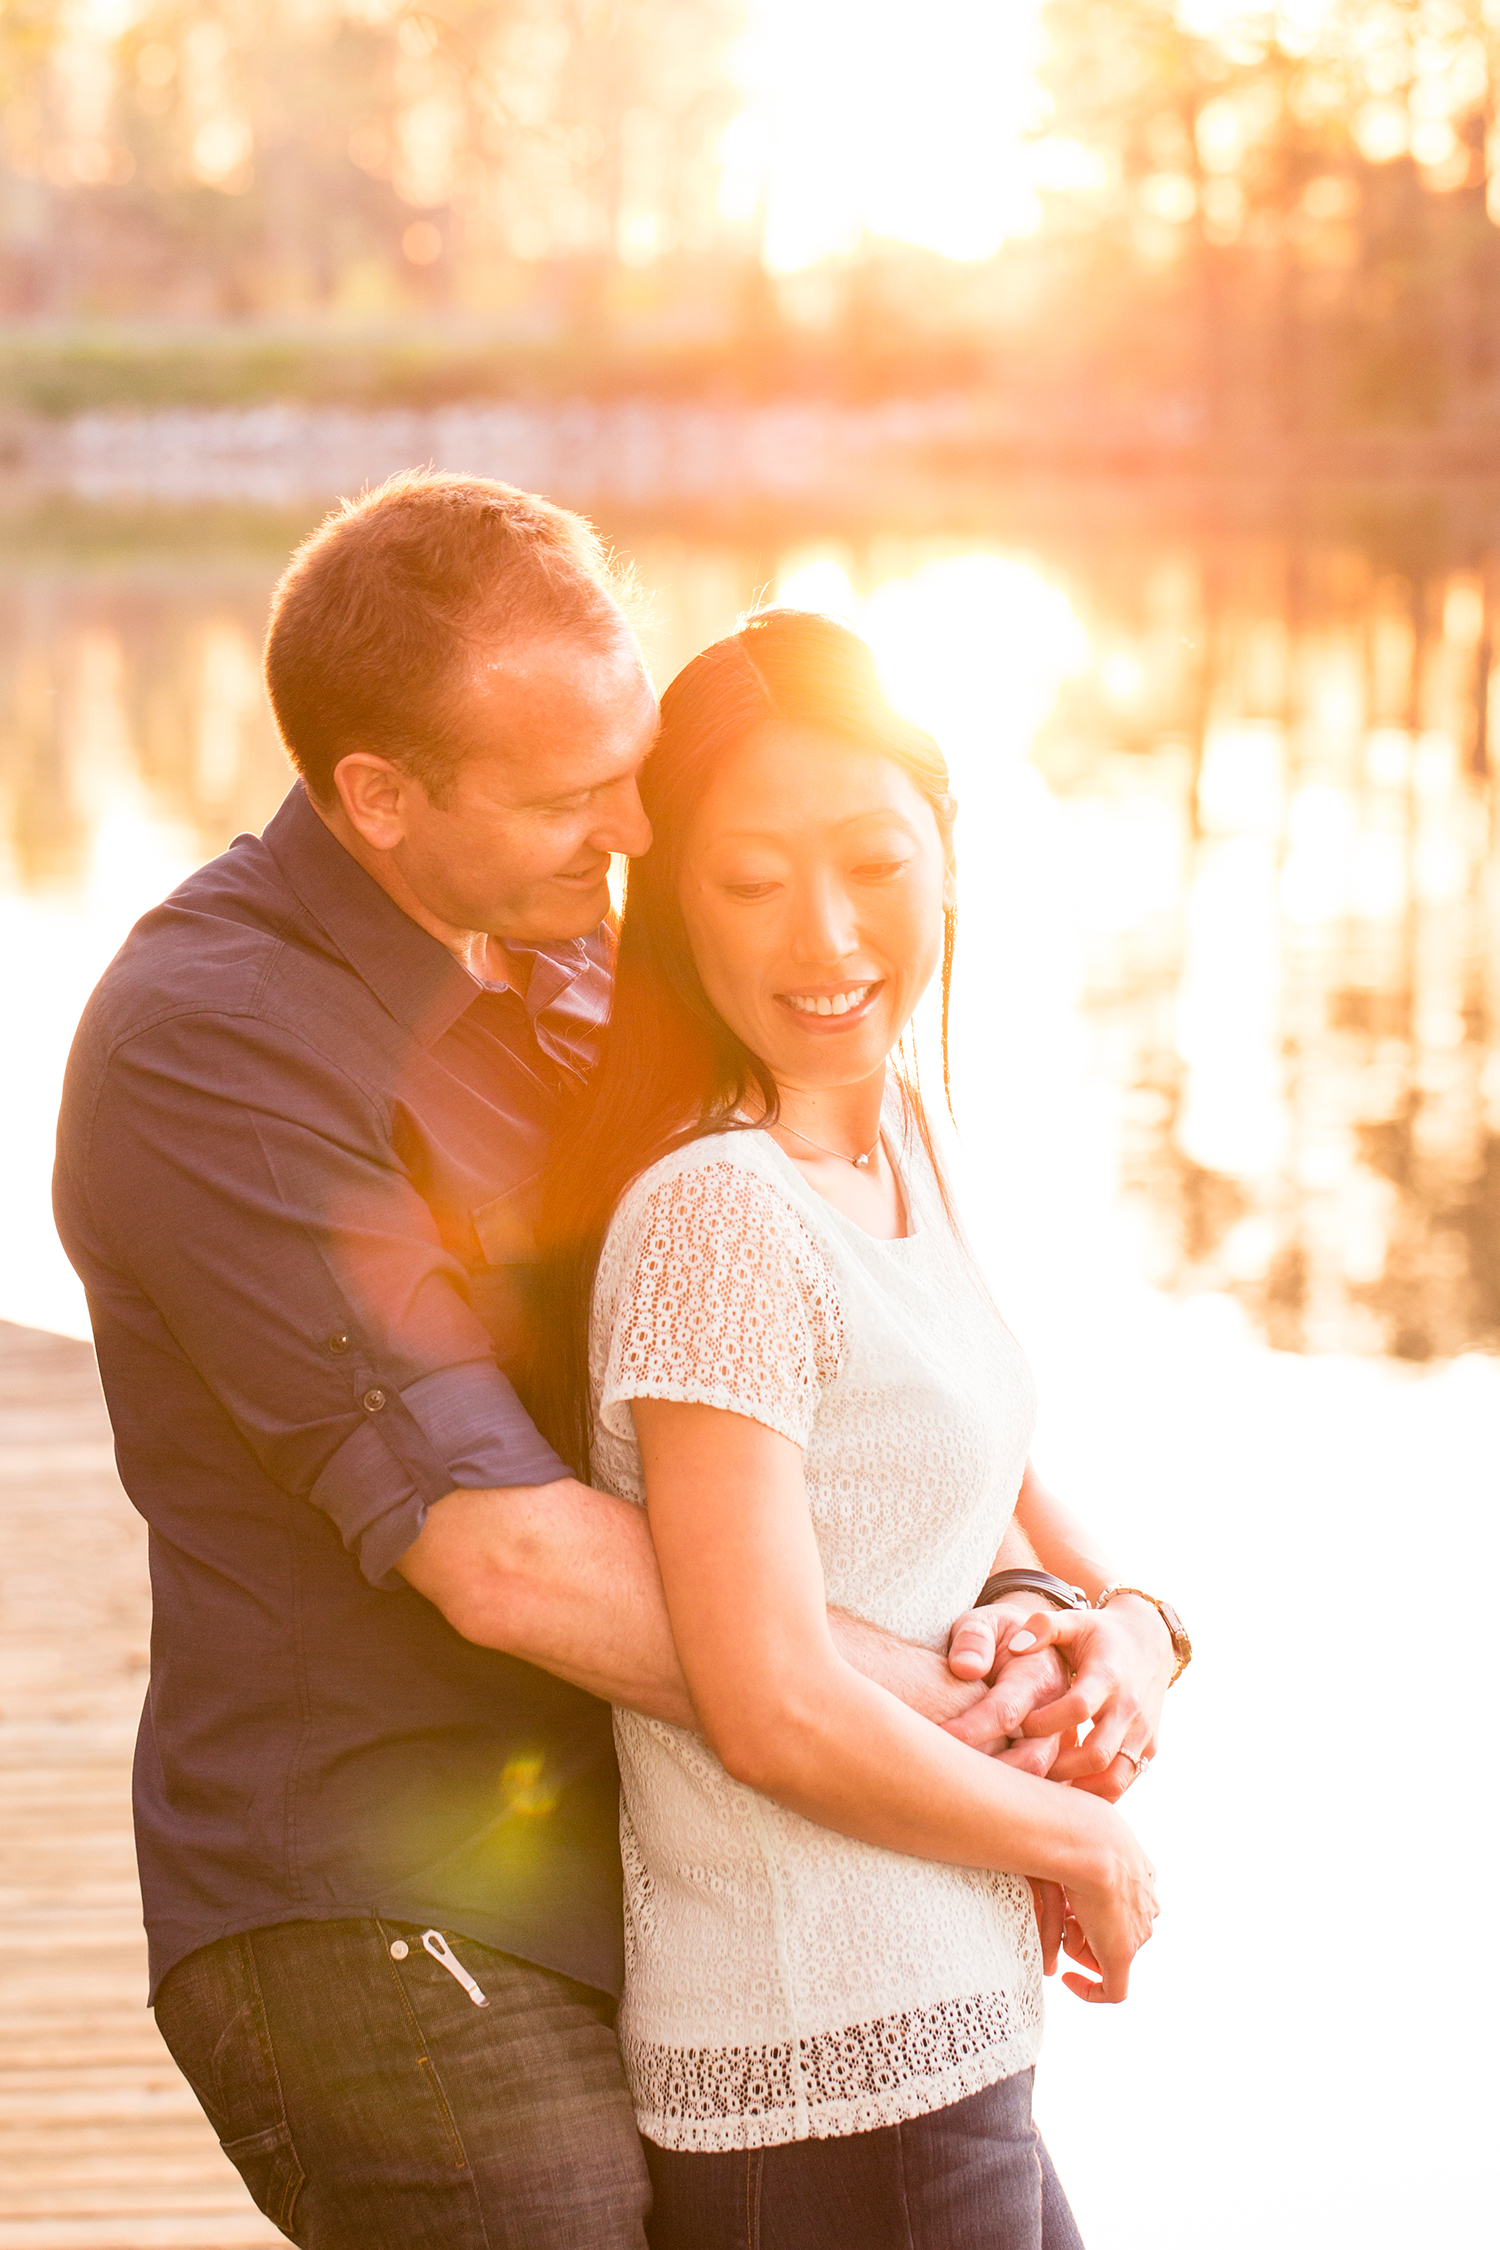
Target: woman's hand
{"x": 1108, "y": 1916}
{"x": 1122, "y": 1662}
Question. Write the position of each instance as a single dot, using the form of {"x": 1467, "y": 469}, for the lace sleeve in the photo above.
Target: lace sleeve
{"x": 725, "y": 1300}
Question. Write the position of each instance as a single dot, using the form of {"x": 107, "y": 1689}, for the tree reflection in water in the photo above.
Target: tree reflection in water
{"x": 1272, "y": 751}
{"x": 1322, "y": 713}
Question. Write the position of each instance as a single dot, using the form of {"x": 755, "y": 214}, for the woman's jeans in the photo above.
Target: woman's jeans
{"x": 369, "y": 2104}
{"x": 974, "y": 2176}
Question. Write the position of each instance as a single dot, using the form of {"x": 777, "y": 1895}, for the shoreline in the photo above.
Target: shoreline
{"x": 802, "y": 467}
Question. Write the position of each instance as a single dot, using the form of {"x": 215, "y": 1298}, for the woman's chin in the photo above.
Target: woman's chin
{"x": 817, "y": 1060}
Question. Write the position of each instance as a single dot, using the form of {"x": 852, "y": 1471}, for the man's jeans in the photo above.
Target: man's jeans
{"x": 973, "y": 2176}
{"x": 369, "y": 2104}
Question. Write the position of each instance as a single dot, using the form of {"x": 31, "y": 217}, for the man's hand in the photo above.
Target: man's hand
{"x": 1018, "y": 1686}
{"x": 1121, "y": 1660}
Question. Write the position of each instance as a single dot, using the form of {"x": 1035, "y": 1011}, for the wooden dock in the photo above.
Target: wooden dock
{"x": 102, "y": 2146}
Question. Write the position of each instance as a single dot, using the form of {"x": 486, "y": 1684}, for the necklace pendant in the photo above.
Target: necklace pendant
{"x": 860, "y": 1162}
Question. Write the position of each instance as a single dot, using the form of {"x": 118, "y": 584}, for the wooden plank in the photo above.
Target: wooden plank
{"x": 102, "y": 2146}
{"x": 200, "y": 2230}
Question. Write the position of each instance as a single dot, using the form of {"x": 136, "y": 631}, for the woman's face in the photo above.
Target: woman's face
{"x": 813, "y": 882}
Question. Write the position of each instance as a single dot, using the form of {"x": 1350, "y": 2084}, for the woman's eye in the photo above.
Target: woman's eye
{"x": 750, "y": 890}
{"x": 881, "y": 870}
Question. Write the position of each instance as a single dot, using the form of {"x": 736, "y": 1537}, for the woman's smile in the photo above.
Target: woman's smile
{"x": 836, "y": 1007}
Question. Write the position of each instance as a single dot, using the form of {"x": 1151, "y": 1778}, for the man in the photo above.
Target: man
{"x": 375, "y": 1792}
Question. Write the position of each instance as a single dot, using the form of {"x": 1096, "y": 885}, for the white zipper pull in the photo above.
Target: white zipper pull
{"x": 437, "y": 1945}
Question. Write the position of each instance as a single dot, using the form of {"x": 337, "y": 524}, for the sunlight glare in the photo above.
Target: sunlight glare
{"x": 974, "y": 647}
{"x": 885, "y": 123}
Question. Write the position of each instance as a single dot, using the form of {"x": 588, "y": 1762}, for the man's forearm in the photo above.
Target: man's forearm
{"x": 917, "y": 1677}
{"x": 1015, "y": 1552}
{"x": 566, "y": 1578}
{"x": 562, "y": 1576}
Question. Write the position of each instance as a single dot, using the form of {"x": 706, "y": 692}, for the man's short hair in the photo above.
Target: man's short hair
{"x": 381, "y": 614}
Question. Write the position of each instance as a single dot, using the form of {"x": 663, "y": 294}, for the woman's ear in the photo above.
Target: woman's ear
{"x": 950, "y": 883}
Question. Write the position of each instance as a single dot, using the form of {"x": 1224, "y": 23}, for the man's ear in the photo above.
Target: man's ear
{"x": 375, "y": 795}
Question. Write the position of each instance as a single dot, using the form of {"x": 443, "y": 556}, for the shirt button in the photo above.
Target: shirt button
{"x": 338, "y": 1341}
{"x": 400, "y": 1949}
{"x": 373, "y": 1401}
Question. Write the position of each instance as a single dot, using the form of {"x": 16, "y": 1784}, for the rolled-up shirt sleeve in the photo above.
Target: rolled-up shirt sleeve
{"x": 250, "y": 1189}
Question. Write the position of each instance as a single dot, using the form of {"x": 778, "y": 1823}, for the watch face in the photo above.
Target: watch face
{"x": 1182, "y": 1647}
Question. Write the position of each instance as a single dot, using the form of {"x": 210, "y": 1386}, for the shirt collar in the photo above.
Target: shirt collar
{"x": 412, "y": 974}
{"x": 567, "y": 997}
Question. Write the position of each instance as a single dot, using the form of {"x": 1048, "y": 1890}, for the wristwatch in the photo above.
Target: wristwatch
{"x": 1182, "y": 1647}
{"x": 1055, "y": 1590}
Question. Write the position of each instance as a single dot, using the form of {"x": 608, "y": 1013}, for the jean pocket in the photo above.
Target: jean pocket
{"x": 212, "y": 2016}
{"x": 267, "y": 2163}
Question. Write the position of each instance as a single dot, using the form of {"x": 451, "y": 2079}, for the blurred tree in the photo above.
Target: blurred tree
{"x": 1283, "y": 224}
{"x": 1300, "y": 196}
{"x": 31, "y": 33}
{"x": 251, "y": 155}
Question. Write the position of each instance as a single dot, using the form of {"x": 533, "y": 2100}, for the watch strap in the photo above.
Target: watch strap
{"x": 1055, "y": 1590}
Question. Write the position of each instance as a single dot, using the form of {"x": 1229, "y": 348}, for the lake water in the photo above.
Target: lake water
{"x": 1227, "y": 1080}
{"x": 1228, "y": 831}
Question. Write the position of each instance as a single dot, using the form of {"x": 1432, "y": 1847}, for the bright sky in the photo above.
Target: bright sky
{"x": 877, "y": 117}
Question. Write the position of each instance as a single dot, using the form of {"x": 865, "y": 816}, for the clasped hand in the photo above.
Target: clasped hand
{"x": 1104, "y": 1669}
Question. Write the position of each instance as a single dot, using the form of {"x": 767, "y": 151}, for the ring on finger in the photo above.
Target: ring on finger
{"x": 1137, "y": 1765}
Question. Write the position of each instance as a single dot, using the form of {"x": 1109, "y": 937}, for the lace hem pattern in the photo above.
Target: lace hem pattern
{"x": 854, "y": 2080}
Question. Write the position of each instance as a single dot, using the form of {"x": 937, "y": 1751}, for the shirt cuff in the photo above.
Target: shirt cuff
{"x": 460, "y": 1428}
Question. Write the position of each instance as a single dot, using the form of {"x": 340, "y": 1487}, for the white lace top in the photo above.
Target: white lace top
{"x": 783, "y": 1981}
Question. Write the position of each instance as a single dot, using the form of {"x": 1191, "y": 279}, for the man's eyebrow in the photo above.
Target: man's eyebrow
{"x": 585, "y": 789}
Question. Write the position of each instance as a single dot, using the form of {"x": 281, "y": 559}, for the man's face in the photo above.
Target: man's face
{"x": 552, "y": 737}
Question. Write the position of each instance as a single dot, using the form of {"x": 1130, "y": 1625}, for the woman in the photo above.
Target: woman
{"x": 772, "y": 1335}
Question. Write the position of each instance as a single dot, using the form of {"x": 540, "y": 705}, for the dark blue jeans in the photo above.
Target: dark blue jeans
{"x": 974, "y": 2176}
{"x": 370, "y": 2105}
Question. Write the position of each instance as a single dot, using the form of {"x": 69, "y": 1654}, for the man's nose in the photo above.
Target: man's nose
{"x": 626, "y": 829}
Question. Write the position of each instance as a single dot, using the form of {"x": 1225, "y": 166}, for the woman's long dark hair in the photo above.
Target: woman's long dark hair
{"x": 671, "y": 1068}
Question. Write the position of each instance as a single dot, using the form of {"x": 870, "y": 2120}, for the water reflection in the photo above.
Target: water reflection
{"x": 1228, "y": 827}
{"x": 143, "y": 687}
{"x": 1307, "y": 1028}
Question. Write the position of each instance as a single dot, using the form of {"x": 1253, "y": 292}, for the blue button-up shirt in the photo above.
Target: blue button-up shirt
{"x": 296, "y": 1158}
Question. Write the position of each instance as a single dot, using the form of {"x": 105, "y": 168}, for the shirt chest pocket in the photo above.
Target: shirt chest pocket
{"x": 505, "y": 1284}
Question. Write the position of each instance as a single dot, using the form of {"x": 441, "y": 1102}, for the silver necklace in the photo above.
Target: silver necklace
{"x": 859, "y": 1162}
